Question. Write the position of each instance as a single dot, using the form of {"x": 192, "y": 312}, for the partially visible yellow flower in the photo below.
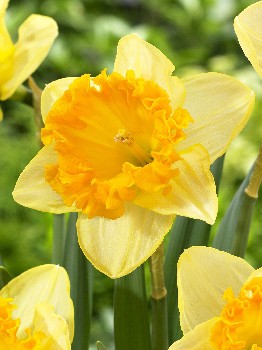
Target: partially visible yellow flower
{"x": 36, "y": 311}
{"x": 18, "y": 61}
{"x": 130, "y": 150}
{"x": 220, "y": 302}
{"x": 248, "y": 28}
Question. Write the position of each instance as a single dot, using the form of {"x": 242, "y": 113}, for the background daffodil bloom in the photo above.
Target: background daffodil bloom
{"x": 220, "y": 301}
{"x": 248, "y": 28}
{"x": 18, "y": 61}
{"x": 130, "y": 150}
{"x": 36, "y": 311}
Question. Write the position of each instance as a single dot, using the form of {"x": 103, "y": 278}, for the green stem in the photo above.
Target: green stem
{"x": 80, "y": 272}
{"x": 131, "y": 321}
{"x": 59, "y": 231}
{"x": 158, "y": 301}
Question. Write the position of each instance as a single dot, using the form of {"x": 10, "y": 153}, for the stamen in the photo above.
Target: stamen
{"x": 138, "y": 152}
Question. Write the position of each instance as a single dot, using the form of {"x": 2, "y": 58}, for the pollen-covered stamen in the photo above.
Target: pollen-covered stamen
{"x": 134, "y": 148}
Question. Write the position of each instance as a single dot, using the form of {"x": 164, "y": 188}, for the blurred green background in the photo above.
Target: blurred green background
{"x": 197, "y": 35}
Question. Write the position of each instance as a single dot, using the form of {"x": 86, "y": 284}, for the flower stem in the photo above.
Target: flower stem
{"x": 256, "y": 177}
{"x": 59, "y": 232}
{"x": 158, "y": 301}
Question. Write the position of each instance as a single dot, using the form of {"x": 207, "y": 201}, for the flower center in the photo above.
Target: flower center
{"x": 114, "y": 136}
{"x": 9, "y": 328}
{"x": 240, "y": 324}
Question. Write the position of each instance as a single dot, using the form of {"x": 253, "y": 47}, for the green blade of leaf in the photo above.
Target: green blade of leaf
{"x": 131, "y": 319}
{"x": 4, "y": 277}
{"x": 81, "y": 279}
{"x": 59, "y": 233}
{"x": 233, "y": 232}
{"x": 184, "y": 234}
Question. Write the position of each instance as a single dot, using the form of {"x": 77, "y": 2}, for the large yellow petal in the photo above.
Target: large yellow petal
{"x": 197, "y": 339}
{"x": 220, "y": 106}
{"x": 42, "y": 284}
{"x": 7, "y": 48}
{"x": 193, "y": 191}
{"x": 36, "y": 36}
{"x": 203, "y": 276}
{"x": 32, "y": 190}
{"x": 248, "y": 28}
{"x": 52, "y": 92}
{"x": 117, "y": 247}
{"x": 54, "y": 328}
{"x": 134, "y": 53}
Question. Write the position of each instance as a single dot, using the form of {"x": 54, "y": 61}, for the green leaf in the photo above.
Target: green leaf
{"x": 81, "y": 279}
{"x": 185, "y": 233}
{"x": 233, "y": 232}
{"x": 59, "y": 233}
{"x": 100, "y": 346}
{"x": 4, "y": 277}
{"x": 131, "y": 322}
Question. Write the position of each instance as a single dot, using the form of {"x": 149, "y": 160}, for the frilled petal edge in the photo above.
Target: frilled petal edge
{"x": 204, "y": 274}
{"x": 32, "y": 190}
{"x": 134, "y": 53}
{"x": 117, "y": 247}
{"x": 193, "y": 190}
{"x": 220, "y": 107}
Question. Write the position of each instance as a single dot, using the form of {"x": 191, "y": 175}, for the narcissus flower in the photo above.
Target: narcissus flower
{"x": 18, "y": 61}
{"x": 130, "y": 150}
{"x": 220, "y": 301}
{"x": 36, "y": 311}
{"x": 248, "y": 28}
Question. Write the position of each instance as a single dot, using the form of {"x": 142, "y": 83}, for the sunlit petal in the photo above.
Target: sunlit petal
{"x": 133, "y": 53}
{"x": 220, "y": 106}
{"x": 52, "y": 92}
{"x": 193, "y": 191}
{"x": 248, "y": 28}
{"x": 53, "y": 326}
{"x": 116, "y": 247}
{"x": 42, "y": 284}
{"x": 36, "y": 36}
{"x": 203, "y": 276}
{"x": 33, "y": 191}
{"x": 197, "y": 339}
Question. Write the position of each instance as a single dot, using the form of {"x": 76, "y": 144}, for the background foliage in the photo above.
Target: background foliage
{"x": 196, "y": 35}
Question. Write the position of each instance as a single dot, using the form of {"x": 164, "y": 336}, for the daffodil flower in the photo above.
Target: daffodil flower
{"x": 220, "y": 301}
{"x": 18, "y": 61}
{"x": 36, "y": 311}
{"x": 248, "y": 28}
{"x": 130, "y": 150}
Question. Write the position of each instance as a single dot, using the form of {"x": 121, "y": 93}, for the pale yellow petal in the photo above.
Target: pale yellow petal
{"x": 134, "y": 53}
{"x": 220, "y": 106}
{"x": 53, "y": 326}
{"x": 204, "y": 274}
{"x": 36, "y": 36}
{"x": 52, "y": 92}
{"x": 32, "y": 190}
{"x": 193, "y": 191}
{"x": 42, "y": 284}
{"x": 248, "y": 28}
{"x": 7, "y": 48}
{"x": 197, "y": 339}
{"x": 254, "y": 274}
{"x": 117, "y": 247}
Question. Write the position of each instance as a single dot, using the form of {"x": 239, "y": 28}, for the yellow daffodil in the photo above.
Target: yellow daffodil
{"x": 36, "y": 311}
{"x": 130, "y": 150}
{"x": 248, "y": 28}
{"x": 18, "y": 61}
{"x": 220, "y": 301}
